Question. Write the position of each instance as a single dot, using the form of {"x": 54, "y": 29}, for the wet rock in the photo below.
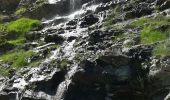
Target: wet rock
{"x": 35, "y": 35}
{"x": 41, "y": 10}
{"x": 140, "y": 53}
{"x": 72, "y": 22}
{"x": 53, "y": 38}
{"x": 88, "y": 20}
{"x": 159, "y": 77}
{"x": 98, "y": 36}
{"x": 114, "y": 60}
{"x": 165, "y": 5}
{"x": 10, "y": 96}
{"x": 8, "y": 5}
{"x": 71, "y": 38}
{"x": 92, "y": 79}
{"x": 140, "y": 10}
{"x": 6, "y": 47}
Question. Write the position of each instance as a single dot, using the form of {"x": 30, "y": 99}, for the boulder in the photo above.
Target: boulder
{"x": 109, "y": 74}
{"x": 35, "y": 35}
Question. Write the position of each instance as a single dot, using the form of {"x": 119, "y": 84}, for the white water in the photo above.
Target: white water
{"x": 53, "y": 1}
{"x": 73, "y": 15}
{"x": 68, "y": 47}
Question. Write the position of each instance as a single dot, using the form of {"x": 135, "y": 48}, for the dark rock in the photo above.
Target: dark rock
{"x": 98, "y": 36}
{"x": 140, "y": 53}
{"x": 93, "y": 81}
{"x": 140, "y": 10}
{"x": 8, "y": 5}
{"x": 88, "y": 20}
{"x": 6, "y": 47}
{"x": 165, "y": 5}
{"x": 54, "y": 38}
{"x": 72, "y": 22}
{"x": 71, "y": 38}
{"x": 35, "y": 35}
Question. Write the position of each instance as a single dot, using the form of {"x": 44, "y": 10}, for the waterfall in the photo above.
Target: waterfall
{"x": 72, "y": 4}
{"x": 75, "y": 4}
{"x": 53, "y": 1}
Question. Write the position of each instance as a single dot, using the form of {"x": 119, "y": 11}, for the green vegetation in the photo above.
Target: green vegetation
{"x": 20, "y": 11}
{"x": 3, "y": 71}
{"x": 163, "y": 49}
{"x": 1, "y": 17}
{"x": 14, "y": 32}
{"x": 17, "y": 58}
{"x": 63, "y": 64}
{"x": 23, "y": 25}
{"x": 153, "y": 29}
{"x": 2, "y": 28}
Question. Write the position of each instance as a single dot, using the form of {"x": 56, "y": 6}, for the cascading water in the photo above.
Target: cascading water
{"x": 68, "y": 52}
{"x": 68, "y": 47}
{"x": 75, "y": 4}
{"x": 53, "y": 1}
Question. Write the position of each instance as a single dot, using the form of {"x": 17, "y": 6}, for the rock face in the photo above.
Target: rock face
{"x": 82, "y": 59}
{"x": 8, "y": 5}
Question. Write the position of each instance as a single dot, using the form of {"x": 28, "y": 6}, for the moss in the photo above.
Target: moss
{"x": 20, "y": 11}
{"x": 3, "y": 71}
{"x": 163, "y": 49}
{"x": 23, "y": 25}
{"x": 63, "y": 64}
{"x": 2, "y": 28}
{"x": 78, "y": 57}
{"x": 1, "y": 17}
{"x": 108, "y": 23}
{"x": 14, "y": 32}
{"x": 20, "y": 26}
{"x": 17, "y": 58}
{"x": 18, "y": 41}
{"x": 152, "y": 30}
{"x": 148, "y": 35}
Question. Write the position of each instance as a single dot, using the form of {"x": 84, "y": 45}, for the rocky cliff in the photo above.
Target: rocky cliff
{"x": 90, "y": 50}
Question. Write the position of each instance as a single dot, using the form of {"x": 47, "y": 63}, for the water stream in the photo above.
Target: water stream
{"x": 68, "y": 50}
